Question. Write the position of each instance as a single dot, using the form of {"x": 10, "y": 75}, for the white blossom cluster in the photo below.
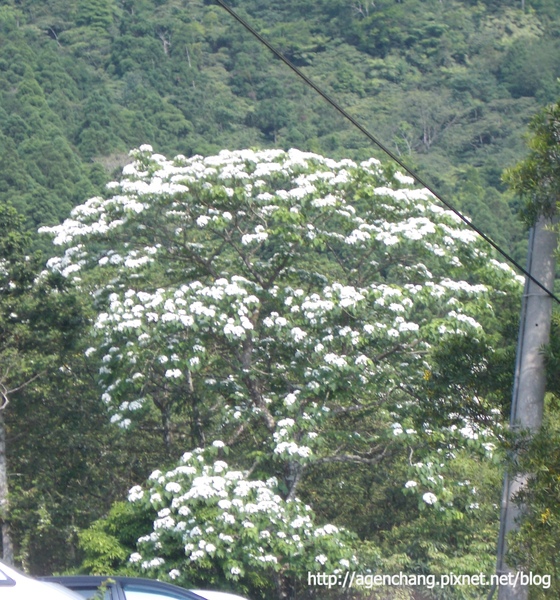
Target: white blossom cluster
{"x": 264, "y": 218}
{"x": 429, "y": 479}
{"x": 248, "y": 194}
{"x": 207, "y": 511}
{"x": 189, "y": 316}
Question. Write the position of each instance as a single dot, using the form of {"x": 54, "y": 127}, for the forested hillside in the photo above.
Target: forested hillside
{"x": 255, "y": 308}
{"x": 449, "y": 86}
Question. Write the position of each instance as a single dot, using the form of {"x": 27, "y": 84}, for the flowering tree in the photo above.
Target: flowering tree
{"x": 214, "y": 518}
{"x": 289, "y": 305}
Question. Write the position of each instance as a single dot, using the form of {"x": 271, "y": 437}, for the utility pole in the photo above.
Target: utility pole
{"x": 530, "y": 381}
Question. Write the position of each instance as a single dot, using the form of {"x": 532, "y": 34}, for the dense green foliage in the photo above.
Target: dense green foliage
{"x": 450, "y": 86}
{"x": 535, "y": 545}
{"x": 537, "y": 178}
{"x": 40, "y": 320}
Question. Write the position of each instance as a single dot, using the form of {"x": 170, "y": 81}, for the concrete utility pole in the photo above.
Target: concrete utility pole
{"x": 530, "y": 380}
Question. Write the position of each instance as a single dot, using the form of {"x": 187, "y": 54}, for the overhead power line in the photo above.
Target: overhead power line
{"x": 383, "y": 147}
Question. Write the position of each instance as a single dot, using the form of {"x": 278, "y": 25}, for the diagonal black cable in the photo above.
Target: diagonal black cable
{"x": 384, "y": 148}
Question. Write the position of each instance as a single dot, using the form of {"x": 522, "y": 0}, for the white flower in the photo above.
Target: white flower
{"x": 290, "y": 399}
{"x": 298, "y": 334}
{"x": 330, "y": 529}
{"x": 173, "y": 373}
{"x": 429, "y": 498}
{"x": 220, "y": 466}
{"x": 410, "y": 484}
{"x": 155, "y": 562}
{"x": 135, "y": 493}
{"x": 334, "y": 359}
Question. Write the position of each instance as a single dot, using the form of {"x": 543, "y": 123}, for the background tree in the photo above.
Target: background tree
{"x": 109, "y": 76}
{"x": 38, "y": 323}
{"x": 537, "y": 178}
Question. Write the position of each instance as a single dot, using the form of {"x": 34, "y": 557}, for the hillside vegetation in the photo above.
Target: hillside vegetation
{"x": 448, "y": 85}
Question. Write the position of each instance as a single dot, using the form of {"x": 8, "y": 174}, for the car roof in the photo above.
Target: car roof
{"x": 97, "y": 580}
{"x": 17, "y": 585}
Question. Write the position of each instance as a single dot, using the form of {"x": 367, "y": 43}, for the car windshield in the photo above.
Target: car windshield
{"x": 93, "y": 593}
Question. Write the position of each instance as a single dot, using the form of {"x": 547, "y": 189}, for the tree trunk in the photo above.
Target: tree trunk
{"x": 166, "y": 426}
{"x": 7, "y": 545}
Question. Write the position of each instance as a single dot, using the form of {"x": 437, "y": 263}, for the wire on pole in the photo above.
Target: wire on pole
{"x": 384, "y": 148}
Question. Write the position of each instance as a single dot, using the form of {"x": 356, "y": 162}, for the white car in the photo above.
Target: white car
{"x": 17, "y": 586}
{"x": 212, "y": 595}
{"x": 118, "y": 587}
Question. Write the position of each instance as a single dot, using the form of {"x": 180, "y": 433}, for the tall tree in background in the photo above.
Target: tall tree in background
{"x": 290, "y": 308}
{"x": 537, "y": 178}
{"x": 38, "y": 322}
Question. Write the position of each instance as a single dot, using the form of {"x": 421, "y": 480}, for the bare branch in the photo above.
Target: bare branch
{"x": 253, "y": 385}
{"x": 296, "y": 471}
{"x": 5, "y": 392}
{"x": 236, "y": 434}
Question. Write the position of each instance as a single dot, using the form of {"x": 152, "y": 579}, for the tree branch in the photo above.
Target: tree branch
{"x": 5, "y": 392}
